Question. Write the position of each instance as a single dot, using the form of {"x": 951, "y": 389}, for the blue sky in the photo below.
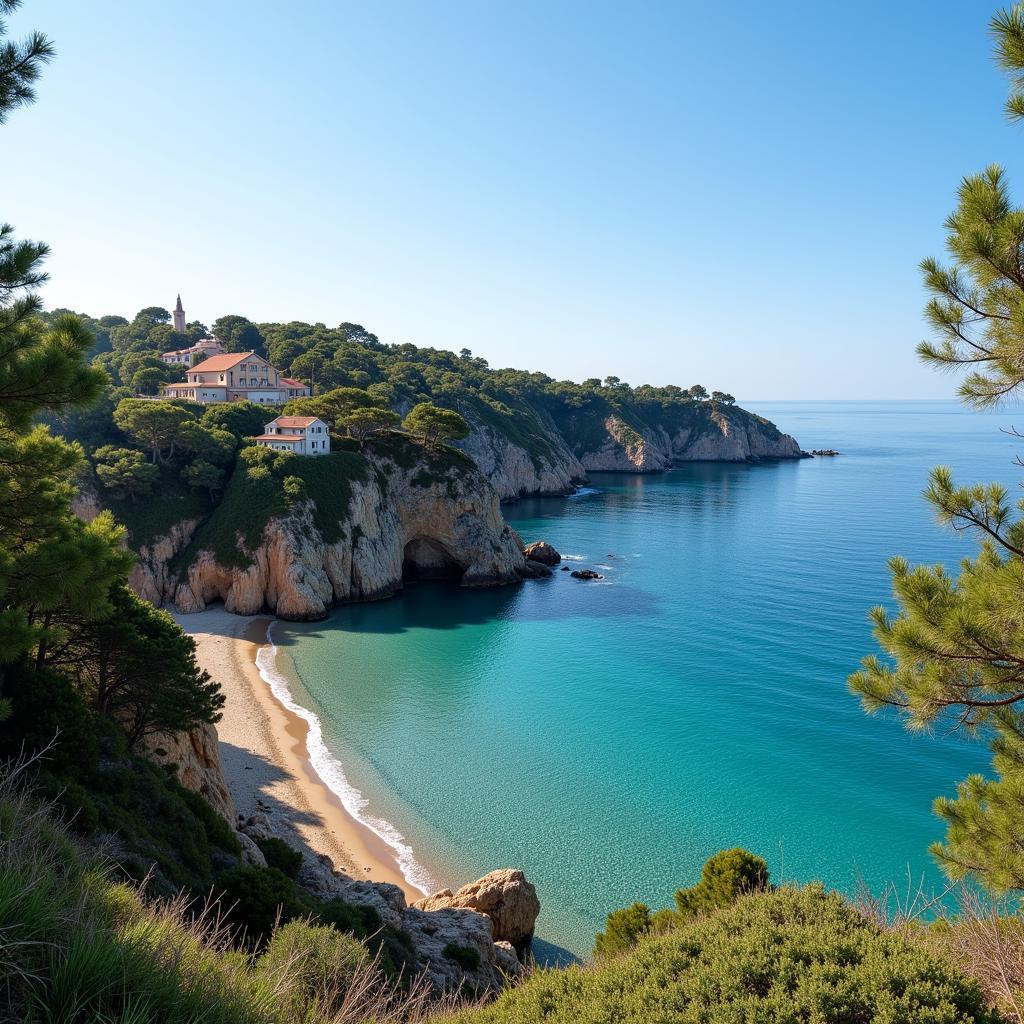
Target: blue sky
{"x": 728, "y": 194}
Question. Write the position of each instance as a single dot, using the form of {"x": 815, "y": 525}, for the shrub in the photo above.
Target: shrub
{"x": 255, "y": 899}
{"x": 622, "y": 930}
{"x": 785, "y": 956}
{"x": 278, "y": 854}
{"x": 45, "y": 709}
{"x": 466, "y": 957}
{"x": 357, "y": 918}
{"x": 725, "y": 876}
{"x": 317, "y": 963}
{"x": 158, "y": 823}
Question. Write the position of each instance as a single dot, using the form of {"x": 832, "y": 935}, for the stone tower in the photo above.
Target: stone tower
{"x": 179, "y": 317}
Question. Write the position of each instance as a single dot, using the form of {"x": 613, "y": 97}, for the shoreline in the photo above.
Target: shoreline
{"x": 266, "y": 757}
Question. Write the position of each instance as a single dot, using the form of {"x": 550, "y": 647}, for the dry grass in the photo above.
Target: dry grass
{"x": 983, "y": 938}
{"x": 77, "y": 946}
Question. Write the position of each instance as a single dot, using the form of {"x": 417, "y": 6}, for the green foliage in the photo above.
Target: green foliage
{"x": 203, "y": 475}
{"x": 255, "y": 899}
{"x": 278, "y": 854}
{"x": 79, "y": 947}
{"x": 257, "y": 493}
{"x": 320, "y": 963}
{"x": 243, "y": 419}
{"x": 783, "y": 956}
{"x": 135, "y": 666}
{"x": 124, "y": 472}
{"x": 726, "y": 875}
{"x": 20, "y": 65}
{"x": 363, "y": 424}
{"x": 466, "y": 957}
{"x": 434, "y": 425}
{"x": 174, "y": 502}
{"x": 622, "y": 930}
{"x": 237, "y": 334}
{"x": 156, "y": 425}
{"x": 952, "y": 653}
{"x": 46, "y": 708}
{"x": 156, "y": 827}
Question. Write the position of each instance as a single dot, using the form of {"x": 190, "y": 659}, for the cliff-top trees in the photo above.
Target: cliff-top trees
{"x": 434, "y": 425}
{"x": 955, "y": 649}
{"x": 362, "y": 424}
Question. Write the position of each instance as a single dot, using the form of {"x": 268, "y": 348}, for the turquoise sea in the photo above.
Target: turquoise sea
{"x": 609, "y": 737}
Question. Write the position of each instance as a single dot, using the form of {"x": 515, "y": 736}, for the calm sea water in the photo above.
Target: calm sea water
{"x": 609, "y": 737}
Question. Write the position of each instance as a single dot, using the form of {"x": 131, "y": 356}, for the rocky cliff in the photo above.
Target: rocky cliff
{"x": 538, "y": 451}
{"x": 516, "y": 472}
{"x": 725, "y": 435}
{"x": 404, "y": 515}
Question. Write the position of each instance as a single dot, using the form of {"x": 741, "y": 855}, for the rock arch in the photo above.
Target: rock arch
{"x": 425, "y": 558}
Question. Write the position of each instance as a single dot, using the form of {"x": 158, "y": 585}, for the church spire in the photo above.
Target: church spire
{"x": 179, "y": 317}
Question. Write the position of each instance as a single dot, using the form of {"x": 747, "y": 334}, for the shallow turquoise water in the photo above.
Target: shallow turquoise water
{"x": 609, "y": 737}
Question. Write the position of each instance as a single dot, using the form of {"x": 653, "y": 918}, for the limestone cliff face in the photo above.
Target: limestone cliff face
{"x": 150, "y": 576}
{"x": 514, "y": 472}
{"x": 532, "y": 453}
{"x": 401, "y": 522}
{"x": 196, "y": 756}
{"x": 728, "y": 435}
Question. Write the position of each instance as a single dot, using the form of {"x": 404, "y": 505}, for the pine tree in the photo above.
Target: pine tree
{"x": 955, "y": 650}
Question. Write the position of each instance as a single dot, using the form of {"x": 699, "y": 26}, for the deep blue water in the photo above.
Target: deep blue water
{"x": 609, "y": 737}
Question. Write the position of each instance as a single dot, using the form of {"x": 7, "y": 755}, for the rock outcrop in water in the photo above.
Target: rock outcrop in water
{"x": 541, "y": 551}
{"x": 505, "y": 896}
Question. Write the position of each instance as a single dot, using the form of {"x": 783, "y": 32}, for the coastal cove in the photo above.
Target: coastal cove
{"x": 475, "y": 723}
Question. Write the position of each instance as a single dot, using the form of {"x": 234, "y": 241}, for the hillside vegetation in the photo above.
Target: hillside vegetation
{"x": 555, "y": 423}
{"x": 79, "y": 946}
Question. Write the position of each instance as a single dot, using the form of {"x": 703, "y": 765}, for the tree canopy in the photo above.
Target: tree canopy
{"x": 953, "y": 653}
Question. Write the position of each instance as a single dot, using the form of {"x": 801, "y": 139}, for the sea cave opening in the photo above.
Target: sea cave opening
{"x": 426, "y": 559}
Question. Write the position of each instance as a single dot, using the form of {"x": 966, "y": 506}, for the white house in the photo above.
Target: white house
{"x": 202, "y": 349}
{"x": 304, "y": 435}
{"x": 236, "y": 377}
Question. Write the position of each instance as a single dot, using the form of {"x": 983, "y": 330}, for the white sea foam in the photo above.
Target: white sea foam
{"x": 331, "y": 773}
{"x": 573, "y": 558}
{"x": 582, "y": 492}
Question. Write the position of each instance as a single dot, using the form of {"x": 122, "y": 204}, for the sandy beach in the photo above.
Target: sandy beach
{"x": 265, "y": 759}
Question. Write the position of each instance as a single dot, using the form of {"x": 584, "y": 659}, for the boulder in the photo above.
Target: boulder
{"x": 505, "y": 896}
{"x": 536, "y": 570}
{"x": 587, "y": 574}
{"x": 541, "y": 551}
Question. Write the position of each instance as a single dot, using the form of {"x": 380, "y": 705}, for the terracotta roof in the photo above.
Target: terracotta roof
{"x": 294, "y": 421}
{"x": 292, "y": 383}
{"x": 290, "y": 438}
{"x": 222, "y": 362}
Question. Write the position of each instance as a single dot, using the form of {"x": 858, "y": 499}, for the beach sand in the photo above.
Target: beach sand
{"x": 264, "y": 756}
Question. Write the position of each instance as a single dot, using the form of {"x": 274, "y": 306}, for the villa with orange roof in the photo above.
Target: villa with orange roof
{"x": 303, "y": 435}
{"x": 236, "y": 377}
